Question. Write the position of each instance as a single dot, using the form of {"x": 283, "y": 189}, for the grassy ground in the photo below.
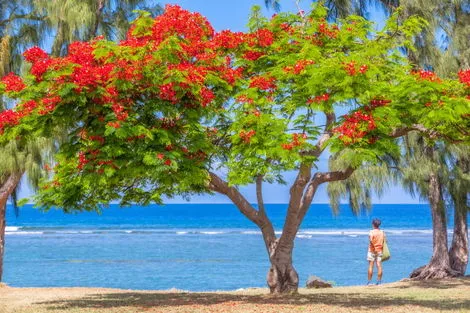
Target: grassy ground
{"x": 414, "y": 297}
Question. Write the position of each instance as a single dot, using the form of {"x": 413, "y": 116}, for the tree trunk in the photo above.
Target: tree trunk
{"x": 2, "y": 237}
{"x": 5, "y": 190}
{"x": 282, "y": 276}
{"x": 458, "y": 252}
{"x": 439, "y": 266}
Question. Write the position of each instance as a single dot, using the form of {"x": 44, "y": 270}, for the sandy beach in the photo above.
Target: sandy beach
{"x": 429, "y": 296}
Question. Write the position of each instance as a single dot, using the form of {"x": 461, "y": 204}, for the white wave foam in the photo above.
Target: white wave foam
{"x": 24, "y": 233}
{"x": 11, "y": 228}
{"x": 212, "y": 232}
{"x": 304, "y": 236}
{"x": 181, "y": 232}
{"x": 251, "y": 232}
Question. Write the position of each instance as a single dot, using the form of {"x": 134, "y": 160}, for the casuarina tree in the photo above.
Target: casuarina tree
{"x": 177, "y": 109}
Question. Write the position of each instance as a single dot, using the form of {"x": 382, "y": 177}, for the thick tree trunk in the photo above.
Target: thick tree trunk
{"x": 282, "y": 276}
{"x": 439, "y": 266}
{"x": 458, "y": 252}
{"x": 2, "y": 237}
{"x": 5, "y": 190}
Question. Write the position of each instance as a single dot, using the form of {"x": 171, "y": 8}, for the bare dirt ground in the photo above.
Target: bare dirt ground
{"x": 414, "y": 297}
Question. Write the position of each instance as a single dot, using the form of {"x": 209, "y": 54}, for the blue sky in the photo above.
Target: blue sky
{"x": 233, "y": 15}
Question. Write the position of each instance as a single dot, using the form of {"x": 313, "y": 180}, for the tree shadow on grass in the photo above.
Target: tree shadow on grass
{"x": 347, "y": 300}
{"x": 435, "y": 283}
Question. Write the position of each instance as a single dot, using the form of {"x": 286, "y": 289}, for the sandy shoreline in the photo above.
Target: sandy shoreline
{"x": 433, "y": 296}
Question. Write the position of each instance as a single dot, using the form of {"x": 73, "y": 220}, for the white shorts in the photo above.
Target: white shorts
{"x": 374, "y": 256}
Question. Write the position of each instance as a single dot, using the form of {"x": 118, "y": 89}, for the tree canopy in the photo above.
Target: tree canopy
{"x": 154, "y": 114}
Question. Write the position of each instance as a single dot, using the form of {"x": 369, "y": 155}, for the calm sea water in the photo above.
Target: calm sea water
{"x": 201, "y": 246}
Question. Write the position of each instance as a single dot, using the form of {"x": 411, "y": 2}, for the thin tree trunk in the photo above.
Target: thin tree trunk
{"x": 439, "y": 266}
{"x": 458, "y": 252}
{"x": 5, "y": 190}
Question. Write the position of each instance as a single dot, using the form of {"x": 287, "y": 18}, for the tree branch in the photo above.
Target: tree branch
{"x": 259, "y": 194}
{"x": 318, "y": 179}
{"x": 217, "y": 184}
{"x": 8, "y": 186}
{"x": 327, "y": 133}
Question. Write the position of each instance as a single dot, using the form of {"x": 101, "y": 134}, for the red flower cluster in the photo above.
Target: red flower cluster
{"x": 330, "y": 32}
{"x": 263, "y": 83}
{"x": 464, "y": 77}
{"x": 26, "y": 108}
{"x": 231, "y": 75}
{"x": 253, "y": 55}
{"x": 298, "y": 67}
{"x": 264, "y": 37}
{"x": 82, "y": 160}
{"x": 246, "y": 135}
{"x": 351, "y": 68}
{"x": 40, "y": 67}
{"x": 375, "y": 103}
{"x": 49, "y": 104}
{"x": 244, "y": 99}
{"x": 119, "y": 111}
{"x": 114, "y": 124}
{"x": 13, "y": 83}
{"x": 80, "y": 53}
{"x": 35, "y": 54}
{"x": 297, "y": 140}
{"x": 228, "y": 40}
{"x": 207, "y": 96}
{"x": 168, "y": 93}
{"x": 193, "y": 27}
{"x": 318, "y": 99}
{"x": 427, "y": 75}
{"x": 355, "y": 127}
{"x": 8, "y": 118}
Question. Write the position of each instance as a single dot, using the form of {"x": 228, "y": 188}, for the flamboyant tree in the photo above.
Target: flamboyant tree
{"x": 167, "y": 110}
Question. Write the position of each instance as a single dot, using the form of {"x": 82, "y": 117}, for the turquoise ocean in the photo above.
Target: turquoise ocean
{"x": 200, "y": 247}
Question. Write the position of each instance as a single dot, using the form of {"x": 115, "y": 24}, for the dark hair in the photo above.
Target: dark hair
{"x": 376, "y": 222}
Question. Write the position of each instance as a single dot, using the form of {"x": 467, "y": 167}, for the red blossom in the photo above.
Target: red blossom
{"x": 318, "y": 99}
{"x": 228, "y": 39}
{"x": 175, "y": 21}
{"x": 464, "y": 77}
{"x": 265, "y": 37}
{"x": 35, "y": 54}
{"x": 207, "y": 96}
{"x": 243, "y": 99}
{"x": 167, "y": 92}
{"x": 81, "y": 53}
{"x": 49, "y": 104}
{"x": 253, "y": 55}
{"x": 427, "y": 75}
{"x": 246, "y": 135}
{"x": 355, "y": 126}
{"x": 40, "y": 67}
{"x": 114, "y": 124}
{"x": 8, "y": 118}
{"x": 263, "y": 83}
{"x": 13, "y": 83}
{"x": 26, "y": 108}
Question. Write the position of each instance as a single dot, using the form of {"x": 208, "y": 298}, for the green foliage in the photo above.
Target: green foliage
{"x": 179, "y": 101}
